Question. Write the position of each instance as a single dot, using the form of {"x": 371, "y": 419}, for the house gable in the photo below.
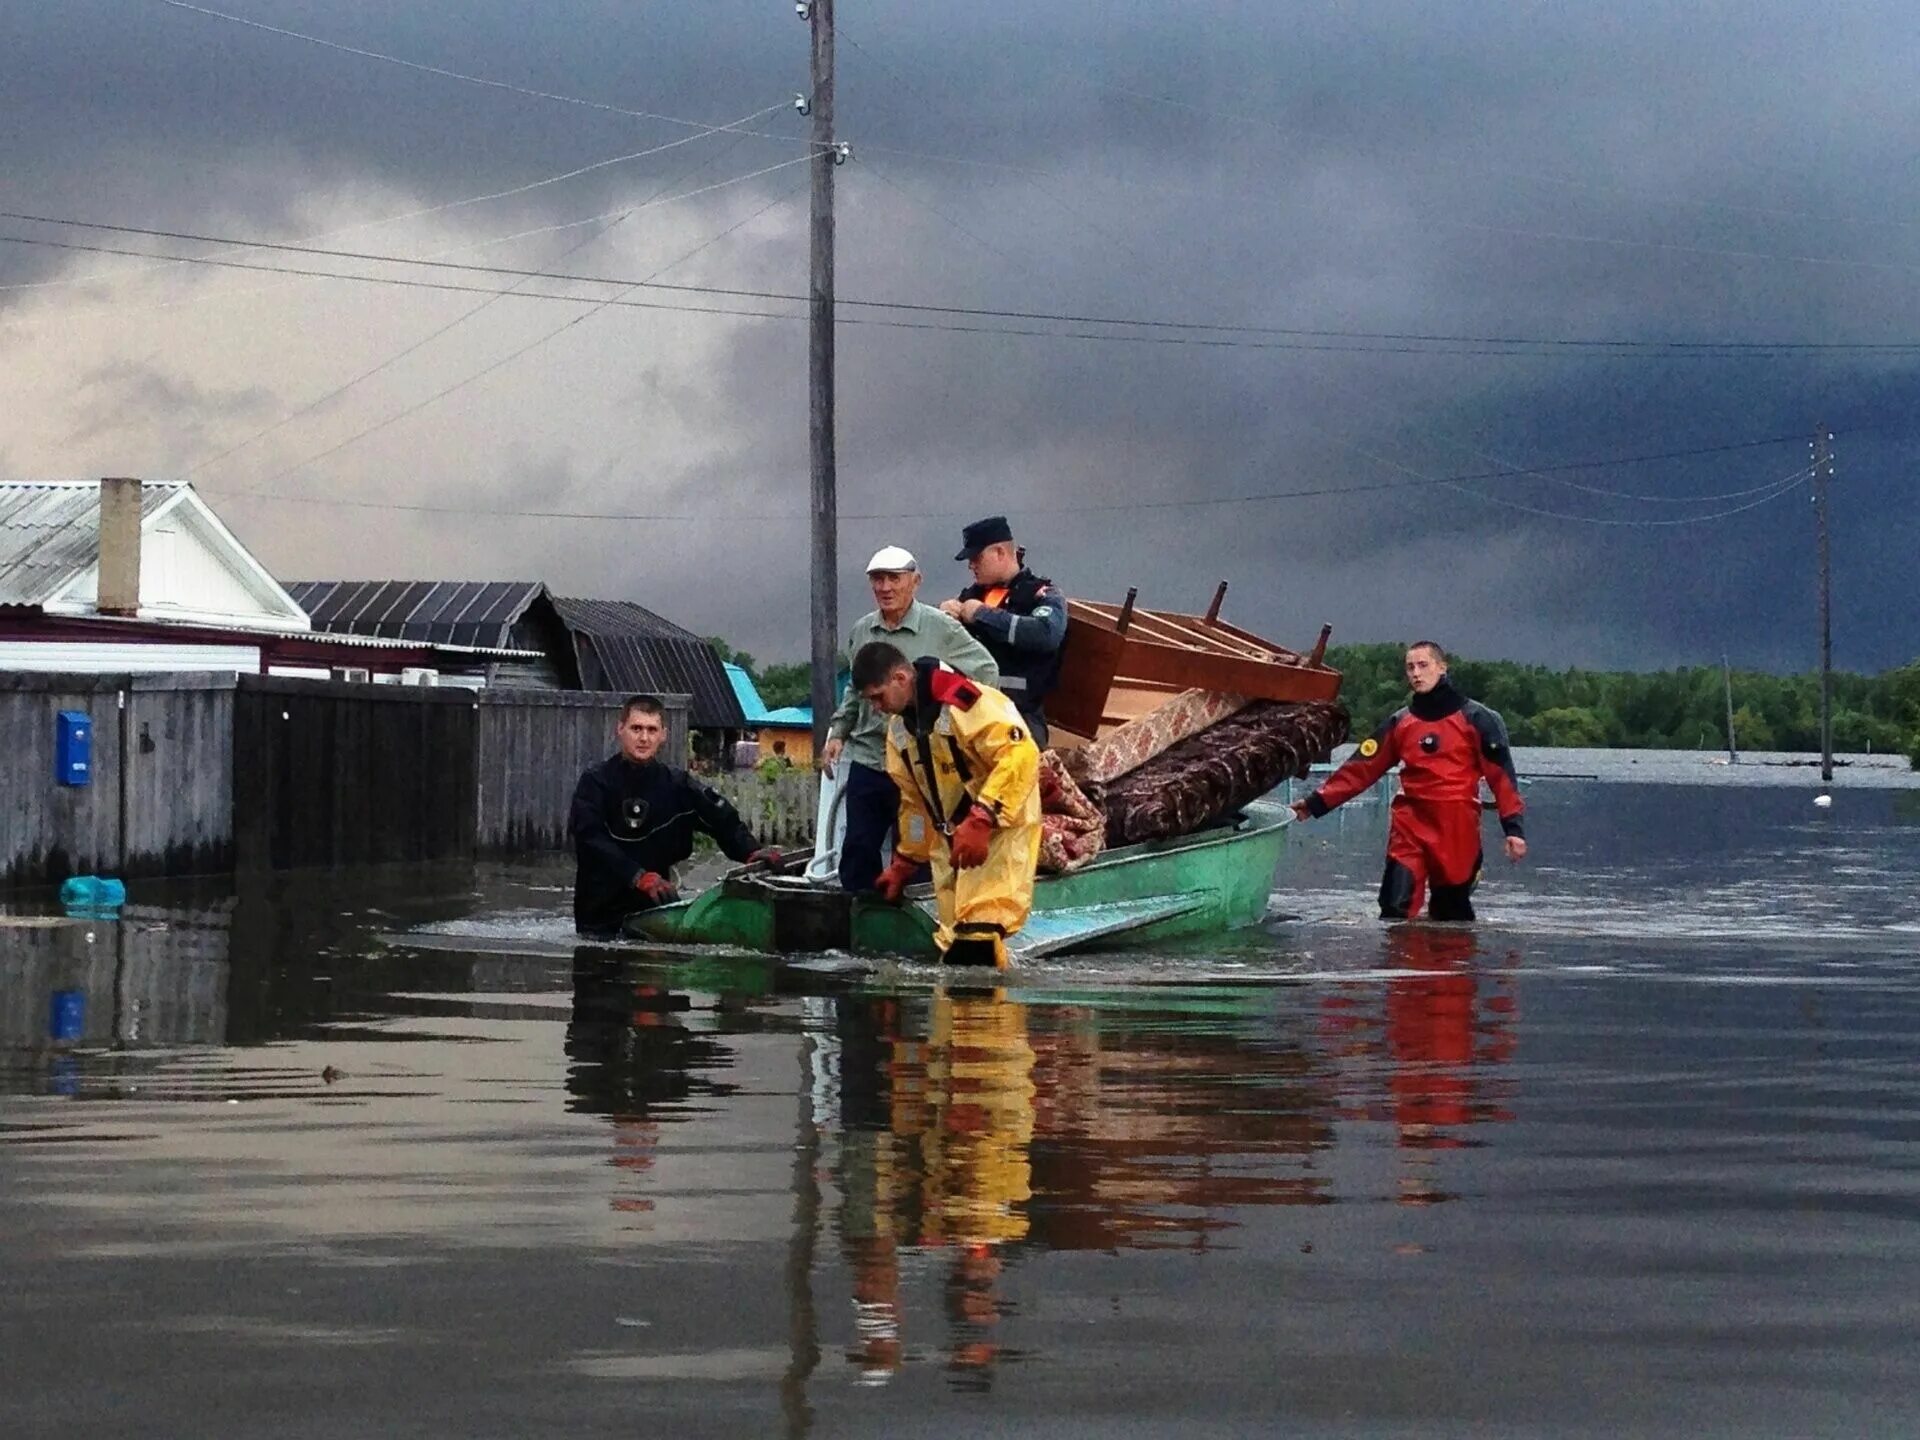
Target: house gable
{"x": 192, "y": 570}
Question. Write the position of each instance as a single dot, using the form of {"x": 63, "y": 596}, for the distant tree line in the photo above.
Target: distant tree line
{"x": 1657, "y": 710}
{"x": 1625, "y": 709}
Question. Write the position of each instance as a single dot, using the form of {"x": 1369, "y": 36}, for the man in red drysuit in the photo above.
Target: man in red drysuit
{"x": 1445, "y": 745}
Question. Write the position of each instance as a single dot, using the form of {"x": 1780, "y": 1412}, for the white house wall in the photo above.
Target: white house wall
{"x": 185, "y": 574}
{"x": 88, "y": 657}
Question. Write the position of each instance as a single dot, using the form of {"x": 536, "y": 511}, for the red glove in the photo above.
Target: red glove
{"x": 767, "y": 856}
{"x": 656, "y": 887}
{"x": 968, "y": 845}
{"x": 893, "y": 881}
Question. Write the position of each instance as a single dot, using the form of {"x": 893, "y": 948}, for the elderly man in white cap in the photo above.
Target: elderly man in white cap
{"x": 857, "y": 734}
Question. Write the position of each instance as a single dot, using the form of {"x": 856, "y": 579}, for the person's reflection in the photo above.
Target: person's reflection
{"x": 980, "y": 1095}
{"x": 1441, "y": 1037}
{"x": 936, "y": 1156}
{"x": 630, "y": 1059}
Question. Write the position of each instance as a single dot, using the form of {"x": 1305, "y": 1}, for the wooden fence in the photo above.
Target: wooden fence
{"x": 160, "y": 800}
{"x": 197, "y": 774}
{"x": 778, "y": 808}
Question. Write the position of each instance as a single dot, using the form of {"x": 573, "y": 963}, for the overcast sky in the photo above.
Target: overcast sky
{"x": 1493, "y": 171}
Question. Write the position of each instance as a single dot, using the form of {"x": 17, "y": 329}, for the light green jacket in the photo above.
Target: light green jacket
{"x": 922, "y": 631}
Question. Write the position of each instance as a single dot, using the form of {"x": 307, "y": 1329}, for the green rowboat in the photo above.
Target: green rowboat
{"x": 1139, "y": 895}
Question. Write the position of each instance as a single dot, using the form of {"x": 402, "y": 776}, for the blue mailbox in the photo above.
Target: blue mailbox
{"x": 73, "y": 748}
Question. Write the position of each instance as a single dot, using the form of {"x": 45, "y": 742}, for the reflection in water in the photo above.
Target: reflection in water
{"x": 961, "y": 1134}
{"x": 242, "y": 1136}
{"x": 1445, "y": 1022}
{"x": 935, "y": 1155}
{"x": 630, "y": 1059}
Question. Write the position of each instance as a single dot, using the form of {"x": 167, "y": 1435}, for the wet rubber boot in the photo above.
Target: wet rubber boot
{"x": 982, "y": 950}
{"x": 1399, "y": 892}
{"x": 1455, "y": 902}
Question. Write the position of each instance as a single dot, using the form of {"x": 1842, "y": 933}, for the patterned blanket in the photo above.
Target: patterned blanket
{"x": 1206, "y": 777}
{"x": 1072, "y": 828}
{"x": 1131, "y": 745}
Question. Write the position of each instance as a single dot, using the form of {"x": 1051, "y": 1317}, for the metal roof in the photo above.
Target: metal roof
{"x": 789, "y": 717}
{"x": 435, "y": 612}
{"x": 50, "y": 531}
{"x": 639, "y": 651}
{"x": 751, "y": 705}
{"x": 617, "y": 644}
{"x": 621, "y": 617}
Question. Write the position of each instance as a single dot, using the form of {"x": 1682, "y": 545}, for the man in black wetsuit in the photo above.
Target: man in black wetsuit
{"x": 633, "y": 820}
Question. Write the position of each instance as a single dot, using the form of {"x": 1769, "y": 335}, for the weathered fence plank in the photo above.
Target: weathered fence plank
{"x": 778, "y": 808}
{"x": 176, "y": 745}
{"x": 56, "y": 830}
{"x": 533, "y": 746}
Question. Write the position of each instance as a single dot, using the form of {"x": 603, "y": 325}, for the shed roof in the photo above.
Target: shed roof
{"x": 638, "y": 651}
{"x": 788, "y": 717}
{"x": 752, "y": 707}
{"x": 617, "y": 645}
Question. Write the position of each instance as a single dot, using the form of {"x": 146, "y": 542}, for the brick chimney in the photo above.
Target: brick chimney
{"x": 119, "y": 547}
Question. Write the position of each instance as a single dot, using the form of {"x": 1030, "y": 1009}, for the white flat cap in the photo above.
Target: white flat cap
{"x": 892, "y": 557}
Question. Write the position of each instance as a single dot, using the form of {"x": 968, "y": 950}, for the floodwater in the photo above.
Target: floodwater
{"x": 379, "y": 1154}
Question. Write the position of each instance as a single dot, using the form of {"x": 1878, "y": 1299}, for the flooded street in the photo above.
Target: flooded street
{"x": 384, "y": 1154}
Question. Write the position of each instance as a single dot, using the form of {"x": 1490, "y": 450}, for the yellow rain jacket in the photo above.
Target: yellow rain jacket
{"x": 980, "y": 751}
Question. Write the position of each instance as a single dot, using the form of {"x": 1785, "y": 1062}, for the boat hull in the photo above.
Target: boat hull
{"x": 1141, "y": 895}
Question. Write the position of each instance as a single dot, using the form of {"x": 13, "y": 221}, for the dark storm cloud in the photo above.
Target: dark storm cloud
{"x": 1636, "y": 171}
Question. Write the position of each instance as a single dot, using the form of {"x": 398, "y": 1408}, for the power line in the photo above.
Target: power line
{"x": 1188, "y": 340}
{"x": 480, "y": 80}
{"x": 1415, "y": 480}
{"x": 511, "y": 355}
{"x": 443, "y": 207}
{"x": 1196, "y": 332}
{"x": 461, "y": 319}
{"x": 1774, "y": 492}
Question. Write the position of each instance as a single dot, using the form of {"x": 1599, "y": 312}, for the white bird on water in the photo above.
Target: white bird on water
{"x": 1823, "y": 801}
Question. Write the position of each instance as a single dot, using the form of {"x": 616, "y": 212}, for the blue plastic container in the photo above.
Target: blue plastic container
{"x": 93, "y": 893}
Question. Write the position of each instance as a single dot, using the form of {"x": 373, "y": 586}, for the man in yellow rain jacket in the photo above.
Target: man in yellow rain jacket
{"x": 968, "y": 773}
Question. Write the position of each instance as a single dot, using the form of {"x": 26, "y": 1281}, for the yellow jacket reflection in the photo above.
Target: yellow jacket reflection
{"x": 962, "y": 744}
{"x": 980, "y": 1085}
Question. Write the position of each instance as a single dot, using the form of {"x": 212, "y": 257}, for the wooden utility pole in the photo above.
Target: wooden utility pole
{"x": 1822, "y": 473}
{"x": 825, "y": 548}
{"x": 1726, "y": 674}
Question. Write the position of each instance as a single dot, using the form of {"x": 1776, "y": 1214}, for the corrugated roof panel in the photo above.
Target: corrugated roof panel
{"x": 634, "y": 649}
{"x": 619, "y": 617}
{"x": 50, "y": 531}
{"x": 670, "y": 667}
{"x": 446, "y": 612}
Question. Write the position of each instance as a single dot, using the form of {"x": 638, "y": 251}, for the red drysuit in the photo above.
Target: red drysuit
{"x": 1445, "y": 745}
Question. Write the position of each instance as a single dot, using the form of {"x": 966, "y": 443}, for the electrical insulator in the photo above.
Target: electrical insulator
{"x": 803, "y": 104}
{"x": 842, "y": 152}
{"x": 803, "y": 8}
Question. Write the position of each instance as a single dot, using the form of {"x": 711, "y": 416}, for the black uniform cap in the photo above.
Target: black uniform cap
{"x": 982, "y": 533}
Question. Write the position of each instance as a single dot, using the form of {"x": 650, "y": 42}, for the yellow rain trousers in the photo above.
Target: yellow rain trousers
{"x": 980, "y": 753}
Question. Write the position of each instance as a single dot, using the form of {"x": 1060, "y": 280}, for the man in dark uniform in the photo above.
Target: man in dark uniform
{"x": 1445, "y": 745}
{"x": 1019, "y": 616}
{"x": 633, "y": 820}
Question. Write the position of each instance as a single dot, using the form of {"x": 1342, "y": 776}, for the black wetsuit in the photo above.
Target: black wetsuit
{"x": 628, "y": 819}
